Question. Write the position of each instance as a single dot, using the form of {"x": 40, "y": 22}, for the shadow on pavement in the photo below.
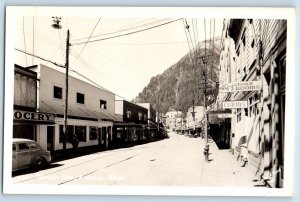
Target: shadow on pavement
{"x": 32, "y": 170}
{"x": 82, "y": 151}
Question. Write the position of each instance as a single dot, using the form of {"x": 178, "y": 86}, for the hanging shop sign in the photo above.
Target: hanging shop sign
{"x": 234, "y": 104}
{"x": 33, "y": 116}
{"x": 240, "y": 86}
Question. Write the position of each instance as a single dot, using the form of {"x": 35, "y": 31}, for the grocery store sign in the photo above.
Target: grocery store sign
{"x": 33, "y": 116}
{"x": 234, "y": 104}
{"x": 240, "y": 86}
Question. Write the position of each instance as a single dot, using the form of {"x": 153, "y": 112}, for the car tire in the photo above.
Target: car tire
{"x": 40, "y": 162}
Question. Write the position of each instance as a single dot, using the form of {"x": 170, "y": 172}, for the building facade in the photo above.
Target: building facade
{"x": 255, "y": 50}
{"x": 90, "y": 110}
{"x": 194, "y": 119}
{"x": 28, "y": 119}
{"x": 133, "y": 122}
{"x": 171, "y": 117}
{"x": 152, "y": 128}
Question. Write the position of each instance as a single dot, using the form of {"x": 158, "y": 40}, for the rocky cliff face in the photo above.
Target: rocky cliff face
{"x": 177, "y": 86}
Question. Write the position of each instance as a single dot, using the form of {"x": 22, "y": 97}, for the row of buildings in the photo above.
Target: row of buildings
{"x": 254, "y": 50}
{"x": 249, "y": 120}
{"x": 93, "y": 113}
{"x": 190, "y": 123}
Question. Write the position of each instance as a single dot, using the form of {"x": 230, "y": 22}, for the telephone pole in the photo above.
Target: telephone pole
{"x": 67, "y": 91}
{"x": 56, "y": 25}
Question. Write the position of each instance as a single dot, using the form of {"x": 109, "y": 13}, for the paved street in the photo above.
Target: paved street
{"x": 178, "y": 160}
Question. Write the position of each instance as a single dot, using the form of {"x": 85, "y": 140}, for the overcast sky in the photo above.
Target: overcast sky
{"x": 123, "y": 65}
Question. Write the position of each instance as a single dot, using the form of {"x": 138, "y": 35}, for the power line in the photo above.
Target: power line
{"x": 123, "y": 30}
{"x": 33, "y": 39}
{"x": 24, "y": 40}
{"x": 144, "y": 44}
{"x": 187, "y": 39}
{"x": 126, "y": 34}
{"x": 89, "y": 37}
{"x": 39, "y": 57}
{"x": 59, "y": 65}
{"x": 62, "y": 51}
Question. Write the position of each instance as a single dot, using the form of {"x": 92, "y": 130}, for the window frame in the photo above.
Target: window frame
{"x": 61, "y": 93}
{"x": 77, "y": 98}
{"x": 104, "y": 103}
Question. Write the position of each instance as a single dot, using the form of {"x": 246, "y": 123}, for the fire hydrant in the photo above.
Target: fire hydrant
{"x": 206, "y": 152}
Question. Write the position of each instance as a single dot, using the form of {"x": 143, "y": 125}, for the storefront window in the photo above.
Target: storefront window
{"x": 70, "y": 132}
{"x": 80, "y": 131}
{"x": 93, "y": 133}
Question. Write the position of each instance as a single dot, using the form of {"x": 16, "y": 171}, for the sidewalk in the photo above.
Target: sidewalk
{"x": 224, "y": 170}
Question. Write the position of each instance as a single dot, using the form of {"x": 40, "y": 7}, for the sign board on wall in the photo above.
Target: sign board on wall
{"x": 224, "y": 116}
{"x": 240, "y": 86}
{"x": 33, "y": 116}
{"x": 234, "y": 104}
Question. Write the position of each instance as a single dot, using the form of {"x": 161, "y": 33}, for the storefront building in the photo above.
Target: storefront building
{"x": 90, "y": 110}
{"x": 132, "y": 126}
{"x": 29, "y": 121}
{"x": 152, "y": 127}
{"x": 259, "y": 55}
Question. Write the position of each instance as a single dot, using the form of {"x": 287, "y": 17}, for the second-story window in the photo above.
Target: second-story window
{"x": 128, "y": 113}
{"x": 103, "y": 104}
{"x": 80, "y": 98}
{"x": 57, "y": 92}
{"x": 140, "y": 116}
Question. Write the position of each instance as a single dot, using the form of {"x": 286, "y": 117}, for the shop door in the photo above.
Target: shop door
{"x": 50, "y": 138}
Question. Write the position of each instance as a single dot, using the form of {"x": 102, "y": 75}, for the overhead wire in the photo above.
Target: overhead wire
{"x": 89, "y": 36}
{"x": 71, "y": 69}
{"x": 126, "y": 34}
{"x": 62, "y": 51}
{"x": 39, "y": 57}
{"x": 33, "y": 39}
{"x": 121, "y": 29}
{"x": 24, "y": 40}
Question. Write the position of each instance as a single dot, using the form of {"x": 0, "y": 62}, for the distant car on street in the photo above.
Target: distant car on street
{"x": 27, "y": 153}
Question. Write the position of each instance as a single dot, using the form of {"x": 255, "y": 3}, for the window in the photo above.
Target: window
{"x": 34, "y": 146}
{"x": 80, "y": 98}
{"x": 80, "y": 131}
{"x": 128, "y": 113}
{"x": 14, "y": 148}
{"x": 57, "y": 92}
{"x": 140, "y": 116}
{"x": 93, "y": 133}
{"x": 103, "y": 104}
{"x": 23, "y": 146}
{"x": 70, "y": 132}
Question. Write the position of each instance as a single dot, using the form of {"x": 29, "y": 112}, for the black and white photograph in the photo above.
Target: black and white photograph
{"x": 149, "y": 101}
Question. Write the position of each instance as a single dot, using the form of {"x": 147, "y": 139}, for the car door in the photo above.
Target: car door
{"x": 15, "y": 163}
{"x": 24, "y": 155}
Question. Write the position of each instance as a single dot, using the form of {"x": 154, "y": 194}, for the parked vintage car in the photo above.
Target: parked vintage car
{"x": 27, "y": 153}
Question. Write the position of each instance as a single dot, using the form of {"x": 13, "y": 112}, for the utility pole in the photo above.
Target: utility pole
{"x": 56, "y": 25}
{"x": 193, "y": 114}
{"x": 67, "y": 92}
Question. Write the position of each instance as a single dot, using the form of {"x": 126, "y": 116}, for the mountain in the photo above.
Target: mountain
{"x": 184, "y": 81}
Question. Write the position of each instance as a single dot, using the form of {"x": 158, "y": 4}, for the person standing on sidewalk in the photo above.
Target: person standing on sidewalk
{"x": 75, "y": 142}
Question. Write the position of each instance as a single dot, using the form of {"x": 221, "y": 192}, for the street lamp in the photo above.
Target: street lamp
{"x": 56, "y": 25}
